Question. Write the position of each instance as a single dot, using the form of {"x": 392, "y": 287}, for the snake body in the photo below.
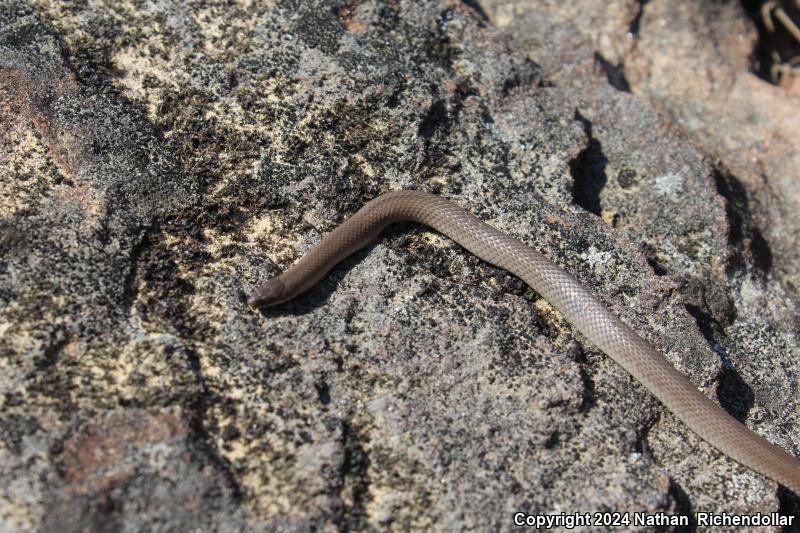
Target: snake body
{"x": 564, "y": 292}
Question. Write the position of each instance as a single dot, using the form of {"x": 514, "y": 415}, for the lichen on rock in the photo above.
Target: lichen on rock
{"x": 159, "y": 159}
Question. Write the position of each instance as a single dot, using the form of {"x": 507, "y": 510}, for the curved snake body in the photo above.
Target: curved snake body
{"x": 566, "y": 294}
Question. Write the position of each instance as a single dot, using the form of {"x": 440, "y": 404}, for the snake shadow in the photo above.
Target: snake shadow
{"x": 319, "y": 294}
{"x": 683, "y": 506}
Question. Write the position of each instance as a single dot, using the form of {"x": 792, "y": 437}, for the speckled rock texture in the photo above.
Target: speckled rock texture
{"x": 160, "y": 159}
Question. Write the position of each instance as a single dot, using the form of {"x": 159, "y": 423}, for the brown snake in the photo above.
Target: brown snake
{"x": 566, "y": 294}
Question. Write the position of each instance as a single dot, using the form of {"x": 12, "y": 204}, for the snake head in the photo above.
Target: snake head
{"x": 270, "y": 293}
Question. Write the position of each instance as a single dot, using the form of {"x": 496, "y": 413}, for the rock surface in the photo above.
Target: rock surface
{"x": 159, "y": 159}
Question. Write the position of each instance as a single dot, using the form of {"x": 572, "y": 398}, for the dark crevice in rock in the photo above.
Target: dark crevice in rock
{"x": 475, "y": 6}
{"x": 658, "y": 270}
{"x": 435, "y": 119}
{"x": 355, "y": 480}
{"x": 789, "y": 505}
{"x": 750, "y": 254}
{"x": 323, "y": 391}
{"x": 589, "y": 398}
{"x": 746, "y": 239}
{"x": 588, "y": 171}
{"x": 434, "y": 130}
{"x": 552, "y": 441}
{"x": 635, "y": 25}
{"x": 711, "y": 306}
{"x": 710, "y": 327}
{"x": 615, "y": 74}
{"x": 760, "y": 250}
{"x": 683, "y": 506}
{"x": 734, "y": 395}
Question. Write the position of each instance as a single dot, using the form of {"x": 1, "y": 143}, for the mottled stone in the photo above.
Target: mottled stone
{"x": 737, "y": 269}
{"x": 159, "y": 159}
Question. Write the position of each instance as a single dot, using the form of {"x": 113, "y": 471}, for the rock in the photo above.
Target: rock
{"x": 692, "y": 63}
{"x": 160, "y": 162}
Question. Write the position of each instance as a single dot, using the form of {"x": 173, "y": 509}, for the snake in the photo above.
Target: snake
{"x": 579, "y": 306}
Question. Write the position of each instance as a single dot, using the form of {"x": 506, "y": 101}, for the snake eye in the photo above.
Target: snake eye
{"x": 270, "y": 293}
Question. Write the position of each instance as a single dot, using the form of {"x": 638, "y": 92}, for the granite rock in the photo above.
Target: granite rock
{"x": 160, "y": 159}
